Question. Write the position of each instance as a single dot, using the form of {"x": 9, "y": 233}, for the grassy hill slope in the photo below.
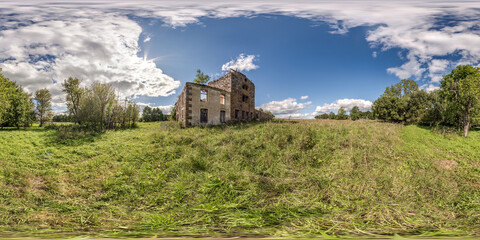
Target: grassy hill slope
{"x": 305, "y": 177}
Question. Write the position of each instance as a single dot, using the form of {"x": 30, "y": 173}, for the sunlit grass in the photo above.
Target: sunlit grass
{"x": 304, "y": 178}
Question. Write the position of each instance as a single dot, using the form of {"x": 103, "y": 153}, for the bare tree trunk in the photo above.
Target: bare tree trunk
{"x": 466, "y": 123}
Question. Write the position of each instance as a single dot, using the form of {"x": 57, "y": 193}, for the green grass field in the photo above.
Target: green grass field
{"x": 282, "y": 178}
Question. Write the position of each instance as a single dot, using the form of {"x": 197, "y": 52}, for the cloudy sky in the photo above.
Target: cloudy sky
{"x": 305, "y": 57}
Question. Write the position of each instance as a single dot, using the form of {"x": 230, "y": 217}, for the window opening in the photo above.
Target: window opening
{"x": 203, "y": 95}
{"x": 203, "y": 115}
{"x": 222, "y": 99}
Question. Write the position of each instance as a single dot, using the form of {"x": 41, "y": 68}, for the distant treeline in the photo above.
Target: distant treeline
{"x": 149, "y": 114}
{"x": 153, "y": 115}
{"x": 62, "y": 118}
{"x": 355, "y": 114}
{"x": 96, "y": 106}
{"x": 456, "y": 103}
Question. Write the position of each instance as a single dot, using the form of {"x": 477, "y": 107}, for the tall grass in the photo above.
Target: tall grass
{"x": 308, "y": 178}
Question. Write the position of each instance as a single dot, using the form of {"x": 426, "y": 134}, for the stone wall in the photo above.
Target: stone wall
{"x": 181, "y": 108}
{"x": 193, "y": 105}
{"x": 239, "y": 101}
{"x": 224, "y": 83}
{"x": 242, "y": 92}
{"x": 259, "y": 115}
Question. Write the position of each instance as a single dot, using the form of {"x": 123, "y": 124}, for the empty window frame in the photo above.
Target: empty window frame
{"x": 243, "y": 115}
{"x": 203, "y": 95}
{"x": 245, "y": 98}
{"x": 245, "y": 87}
{"x": 222, "y": 99}
{"x": 236, "y": 114}
{"x": 203, "y": 115}
{"x": 222, "y": 116}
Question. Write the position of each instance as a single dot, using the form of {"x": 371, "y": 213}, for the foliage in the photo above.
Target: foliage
{"x": 355, "y": 113}
{"x": 71, "y": 87}
{"x": 312, "y": 178}
{"x": 332, "y": 115}
{"x": 43, "y": 100}
{"x": 456, "y": 104}
{"x": 462, "y": 86}
{"x": 5, "y": 91}
{"x": 269, "y": 113}
{"x": 152, "y": 114}
{"x": 97, "y": 106}
{"x": 322, "y": 116}
{"x": 62, "y": 118}
{"x": 342, "y": 114}
{"x": 201, "y": 78}
{"x": 173, "y": 113}
{"x": 16, "y": 106}
{"x": 394, "y": 105}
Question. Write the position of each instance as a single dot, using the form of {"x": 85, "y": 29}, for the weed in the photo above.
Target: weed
{"x": 304, "y": 178}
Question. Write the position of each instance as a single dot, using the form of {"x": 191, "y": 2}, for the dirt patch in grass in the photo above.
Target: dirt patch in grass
{"x": 447, "y": 164}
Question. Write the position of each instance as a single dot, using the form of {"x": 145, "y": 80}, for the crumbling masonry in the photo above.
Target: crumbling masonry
{"x": 230, "y": 98}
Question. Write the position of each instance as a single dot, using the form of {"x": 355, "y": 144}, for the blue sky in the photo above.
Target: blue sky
{"x": 296, "y": 57}
{"x": 305, "y": 58}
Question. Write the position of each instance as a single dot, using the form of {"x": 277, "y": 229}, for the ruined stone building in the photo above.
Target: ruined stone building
{"x": 229, "y": 98}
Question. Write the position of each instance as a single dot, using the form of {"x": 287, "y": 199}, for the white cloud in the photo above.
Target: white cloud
{"x": 411, "y": 68}
{"x": 348, "y": 104}
{"x": 96, "y": 41}
{"x": 147, "y": 39}
{"x": 304, "y": 97}
{"x": 287, "y": 106}
{"x": 429, "y": 87}
{"x": 290, "y": 109}
{"x": 242, "y": 63}
{"x": 297, "y": 116}
{"x": 90, "y": 45}
{"x": 437, "y": 69}
{"x": 165, "y": 109}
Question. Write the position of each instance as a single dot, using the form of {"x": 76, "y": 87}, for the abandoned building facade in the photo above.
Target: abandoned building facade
{"x": 229, "y": 98}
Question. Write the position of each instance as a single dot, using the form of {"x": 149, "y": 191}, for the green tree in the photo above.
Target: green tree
{"x": 322, "y": 116}
{"x": 462, "y": 86}
{"x": 331, "y": 115}
{"x": 19, "y": 111}
{"x": 173, "y": 113}
{"x": 147, "y": 114}
{"x": 157, "y": 115}
{"x": 96, "y": 105}
{"x": 43, "y": 100}
{"x": 61, "y": 118}
{"x": 201, "y": 78}
{"x": 132, "y": 112}
{"x": 15, "y": 104}
{"x": 418, "y": 104}
{"x": 355, "y": 113}
{"x": 71, "y": 87}
{"x": 393, "y": 104}
{"x": 368, "y": 115}
{"x": 342, "y": 114}
{"x": 438, "y": 111}
{"x": 6, "y": 92}
{"x": 104, "y": 95}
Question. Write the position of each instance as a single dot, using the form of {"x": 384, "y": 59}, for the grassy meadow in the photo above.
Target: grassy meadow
{"x": 280, "y": 178}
